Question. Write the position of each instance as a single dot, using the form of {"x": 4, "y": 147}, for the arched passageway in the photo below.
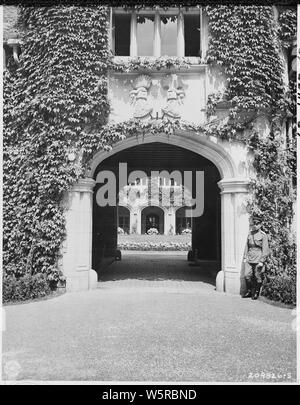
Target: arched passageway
{"x": 152, "y": 159}
{"x": 123, "y": 219}
{"x": 183, "y": 221}
{"x": 152, "y": 218}
{"x": 84, "y": 224}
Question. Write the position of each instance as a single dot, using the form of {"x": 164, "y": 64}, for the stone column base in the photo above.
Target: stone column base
{"x": 229, "y": 282}
{"x": 82, "y": 281}
{"x": 220, "y": 281}
{"x": 232, "y": 282}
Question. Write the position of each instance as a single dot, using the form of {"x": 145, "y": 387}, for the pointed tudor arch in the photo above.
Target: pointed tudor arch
{"x": 211, "y": 150}
{"x": 229, "y": 158}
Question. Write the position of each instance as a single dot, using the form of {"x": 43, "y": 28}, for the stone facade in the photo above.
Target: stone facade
{"x": 136, "y": 213}
{"x": 182, "y": 94}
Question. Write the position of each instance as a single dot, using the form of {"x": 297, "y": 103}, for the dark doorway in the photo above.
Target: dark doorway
{"x": 183, "y": 222}
{"x": 152, "y": 221}
{"x": 124, "y": 219}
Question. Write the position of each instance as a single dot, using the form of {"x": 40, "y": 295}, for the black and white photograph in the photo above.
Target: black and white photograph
{"x": 149, "y": 188}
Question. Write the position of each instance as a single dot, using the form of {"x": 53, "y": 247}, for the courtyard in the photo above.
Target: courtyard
{"x": 152, "y": 318}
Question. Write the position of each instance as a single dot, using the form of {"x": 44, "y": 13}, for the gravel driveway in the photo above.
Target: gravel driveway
{"x": 153, "y": 318}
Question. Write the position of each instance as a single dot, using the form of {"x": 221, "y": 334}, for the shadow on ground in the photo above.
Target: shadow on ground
{"x": 156, "y": 267}
{"x": 140, "y": 330}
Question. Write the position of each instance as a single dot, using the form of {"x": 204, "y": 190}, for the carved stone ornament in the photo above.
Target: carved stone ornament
{"x": 175, "y": 95}
{"x": 139, "y": 97}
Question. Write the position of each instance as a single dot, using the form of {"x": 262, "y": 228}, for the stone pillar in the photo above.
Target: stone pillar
{"x": 170, "y": 220}
{"x": 180, "y": 35}
{"x": 139, "y": 221}
{"x": 157, "y": 35}
{"x": 77, "y": 248}
{"x": 133, "y": 38}
{"x": 203, "y": 33}
{"x": 135, "y": 221}
{"x": 234, "y": 230}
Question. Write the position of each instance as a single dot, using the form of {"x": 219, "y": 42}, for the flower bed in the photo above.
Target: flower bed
{"x": 154, "y": 242}
{"x": 152, "y": 231}
{"x": 159, "y": 246}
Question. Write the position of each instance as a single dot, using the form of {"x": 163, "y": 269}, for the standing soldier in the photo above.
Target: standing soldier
{"x": 256, "y": 252}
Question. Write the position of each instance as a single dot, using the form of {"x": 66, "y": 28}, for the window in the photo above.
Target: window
{"x": 174, "y": 32}
{"x": 192, "y": 35}
{"x": 169, "y": 36}
{"x": 124, "y": 223}
{"x": 124, "y": 219}
{"x": 182, "y": 222}
{"x": 145, "y": 35}
{"x": 122, "y": 34}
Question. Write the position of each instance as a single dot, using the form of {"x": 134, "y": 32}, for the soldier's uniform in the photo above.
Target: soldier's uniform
{"x": 256, "y": 251}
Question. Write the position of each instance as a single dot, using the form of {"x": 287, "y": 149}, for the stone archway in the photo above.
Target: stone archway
{"x": 229, "y": 158}
{"x": 183, "y": 222}
{"x": 152, "y": 217}
{"x": 124, "y": 218}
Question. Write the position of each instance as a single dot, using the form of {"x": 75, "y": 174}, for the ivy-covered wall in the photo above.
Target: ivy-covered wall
{"x": 253, "y": 62}
{"x": 53, "y": 100}
{"x": 55, "y": 105}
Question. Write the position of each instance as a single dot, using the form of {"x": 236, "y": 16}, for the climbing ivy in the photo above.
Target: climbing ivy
{"x": 138, "y": 63}
{"x": 254, "y": 75}
{"x": 273, "y": 200}
{"x": 54, "y": 100}
{"x": 255, "y": 84}
{"x": 287, "y": 27}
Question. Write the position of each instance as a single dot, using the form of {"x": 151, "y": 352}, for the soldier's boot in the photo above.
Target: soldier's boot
{"x": 257, "y": 291}
{"x": 248, "y": 293}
